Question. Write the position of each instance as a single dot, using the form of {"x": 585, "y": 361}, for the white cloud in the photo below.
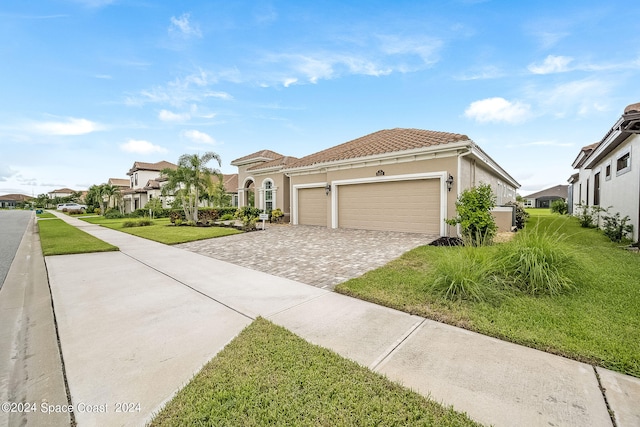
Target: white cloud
{"x": 168, "y": 116}
{"x": 6, "y": 172}
{"x": 71, "y": 126}
{"x": 552, "y": 64}
{"x": 497, "y": 110}
{"x": 141, "y": 147}
{"x": 183, "y": 26}
{"x": 481, "y": 73}
{"x": 425, "y": 48}
{"x": 288, "y": 82}
{"x": 197, "y": 136}
{"x": 577, "y": 97}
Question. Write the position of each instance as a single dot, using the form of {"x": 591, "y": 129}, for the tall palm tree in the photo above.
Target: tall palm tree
{"x": 110, "y": 191}
{"x": 190, "y": 179}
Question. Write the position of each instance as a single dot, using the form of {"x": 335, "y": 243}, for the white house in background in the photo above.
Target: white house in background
{"x": 144, "y": 184}
{"x": 609, "y": 171}
{"x": 61, "y": 192}
{"x": 544, "y": 198}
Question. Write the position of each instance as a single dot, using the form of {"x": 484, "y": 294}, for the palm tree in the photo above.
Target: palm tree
{"x": 110, "y": 191}
{"x": 190, "y": 180}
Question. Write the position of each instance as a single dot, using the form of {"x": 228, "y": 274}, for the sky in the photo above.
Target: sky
{"x": 88, "y": 87}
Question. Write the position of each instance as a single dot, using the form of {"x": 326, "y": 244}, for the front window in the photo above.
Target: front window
{"x": 268, "y": 196}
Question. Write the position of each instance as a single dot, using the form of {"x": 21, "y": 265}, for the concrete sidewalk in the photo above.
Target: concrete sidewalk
{"x": 136, "y": 325}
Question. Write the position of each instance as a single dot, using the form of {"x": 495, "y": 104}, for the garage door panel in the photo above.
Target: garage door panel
{"x": 312, "y": 206}
{"x": 410, "y": 206}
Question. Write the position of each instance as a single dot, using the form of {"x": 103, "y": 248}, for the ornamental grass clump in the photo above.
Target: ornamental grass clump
{"x": 466, "y": 273}
{"x": 537, "y": 263}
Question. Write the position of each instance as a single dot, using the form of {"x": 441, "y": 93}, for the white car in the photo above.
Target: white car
{"x": 71, "y": 207}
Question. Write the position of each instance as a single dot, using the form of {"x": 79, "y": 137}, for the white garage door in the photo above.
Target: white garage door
{"x": 312, "y": 206}
{"x": 409, "y": 206}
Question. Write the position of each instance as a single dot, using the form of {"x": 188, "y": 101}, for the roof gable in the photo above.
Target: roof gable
{"x": 381, "y": 142}
{"x": 258, "y": 156}
{"x": 282, "y": 161}
{"x": 158, "y": 166}
{"x": 15, "y": 198}
{"x": 557, "y": 191}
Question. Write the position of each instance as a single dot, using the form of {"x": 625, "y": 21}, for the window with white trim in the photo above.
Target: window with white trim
{"x": 268, "y": 196}
{"x": 623, "y": 162}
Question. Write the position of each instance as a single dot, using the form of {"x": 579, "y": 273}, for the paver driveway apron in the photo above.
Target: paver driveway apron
{"x": 316, "y": 256}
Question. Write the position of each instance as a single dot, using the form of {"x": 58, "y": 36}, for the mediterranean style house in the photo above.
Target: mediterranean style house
{"x": 393, "y": 179}
{"x": 146, "y": 182}
{"x": 609, "y": 171}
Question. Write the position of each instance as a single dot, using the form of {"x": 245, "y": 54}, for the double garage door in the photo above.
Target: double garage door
{"x": 409, "y": 206}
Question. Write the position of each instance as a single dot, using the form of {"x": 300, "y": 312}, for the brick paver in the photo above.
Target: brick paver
{"x": 316, "y": 256}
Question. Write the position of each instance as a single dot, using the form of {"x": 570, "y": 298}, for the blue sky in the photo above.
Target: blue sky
{"x": 90, "y": 86}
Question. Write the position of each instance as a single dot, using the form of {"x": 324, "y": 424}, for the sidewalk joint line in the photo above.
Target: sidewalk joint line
{"x": 386, "y": 354}
{"x": 189, "y": 286}
{"x": 603, "y": 390}
{"x": 296, "y": 305}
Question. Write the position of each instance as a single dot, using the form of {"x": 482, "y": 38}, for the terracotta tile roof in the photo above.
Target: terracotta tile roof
{"x": 119, "y": 182}
{"x": 383, "y": 141}
{"x": 259, "y": 155}
{"x": 15, "y": 198}
{"x": 158, "y": 166}
{"x": 282, "y": 161}
{"x": 230, "y": 182}
{"x": 152, "y": 184}
{"x": 62, "y": 190}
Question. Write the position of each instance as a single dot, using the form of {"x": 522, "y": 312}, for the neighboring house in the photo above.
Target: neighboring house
{"x": 145, "y": 183}
{"x": 544, "y": 198}
{"x": 609, "y": 170}
{"x": 394, "y": 180}
{"x": 261, "y": 181}
{"x": 230, "y": 182}
{"x": 11, "y": 201}
{"x": 62, "y": 192}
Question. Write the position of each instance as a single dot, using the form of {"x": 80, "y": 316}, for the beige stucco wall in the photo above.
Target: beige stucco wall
{"x": 474, "y": 172}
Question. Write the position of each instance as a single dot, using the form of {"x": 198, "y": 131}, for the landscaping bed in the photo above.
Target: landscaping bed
{"x": 594, "y": 319}
{"x": 161, "y": 230}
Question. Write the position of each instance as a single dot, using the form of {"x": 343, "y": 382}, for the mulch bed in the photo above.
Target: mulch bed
{"x": 447, "y": 241}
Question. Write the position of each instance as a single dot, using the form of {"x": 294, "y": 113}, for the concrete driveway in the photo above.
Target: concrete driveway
{"x": 316, "y": 256}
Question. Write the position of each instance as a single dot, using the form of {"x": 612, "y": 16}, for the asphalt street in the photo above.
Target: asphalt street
{"x": 13, "y": 223}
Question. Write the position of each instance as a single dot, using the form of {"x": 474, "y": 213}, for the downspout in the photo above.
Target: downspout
{"x": 460, "y": 156}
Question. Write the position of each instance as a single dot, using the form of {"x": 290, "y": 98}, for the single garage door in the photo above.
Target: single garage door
{"x": 408, "y": 206}
{"x": 312, "y": 206}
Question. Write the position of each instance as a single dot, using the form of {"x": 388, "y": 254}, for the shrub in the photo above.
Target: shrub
{"x": 248, "y": 223}
{"x": 277, "y": 214}
{"x": 207, "y": 216}
{"x": 474, "y": 215}
{"x": 229, "y": 210}
{"x": 521, "y": 215}
{"x": 97, "y": 211}
{"x": 113, "y": 213}
{"x": 175, "y": 215}
{"x": 248, "y": 211}
{"x": 560, "y": 207}
{"x": 467, "y": 273}
{"x": 535, "y": 262}
{"x": 178, "y": 221}
{"x": 616, "y": 228}
{"x": 74, "y": 211}
{"x": 138, "y": 223}
{"x": 589, "y": 216}
{"x": 227, "y": 217}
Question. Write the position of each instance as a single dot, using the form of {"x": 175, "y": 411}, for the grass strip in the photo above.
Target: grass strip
{"x": 596, "y": 322}
{"x": 162, "y": 231}
{"x": 59, "y": 238}
{"x": 269, "y": 376}
{"x": 46, "y": 215}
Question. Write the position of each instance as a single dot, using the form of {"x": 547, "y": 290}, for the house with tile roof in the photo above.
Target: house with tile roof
{"x": 262, "y": 183}
{"x": 609, "y": 172}
{"x": 12, "y": 201}
{"x": 61, "y": 192}
{"x": 145, "y": 182}
{"x": 393, "y": 179}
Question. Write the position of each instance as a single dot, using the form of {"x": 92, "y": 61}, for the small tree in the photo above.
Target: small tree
{"x": 217, "y": 194}
{"x": 559, "y": 206}
{"x": 474, "y": 215}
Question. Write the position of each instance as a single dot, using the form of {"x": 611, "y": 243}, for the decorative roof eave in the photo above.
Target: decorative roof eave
{"x": 432, "y": 149}
{"x": 627, "y": 125}
{"x": 479, "y": 154}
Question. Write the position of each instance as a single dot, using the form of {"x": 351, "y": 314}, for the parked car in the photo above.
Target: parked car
{"x": 71, "y": 207}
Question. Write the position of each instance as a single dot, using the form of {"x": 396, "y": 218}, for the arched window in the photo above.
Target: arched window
{"x": 268, "y": 196}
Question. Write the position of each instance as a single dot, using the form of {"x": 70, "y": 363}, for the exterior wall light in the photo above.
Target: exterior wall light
{"x": 449, "y": 182}
{"x": 327, "y": 189}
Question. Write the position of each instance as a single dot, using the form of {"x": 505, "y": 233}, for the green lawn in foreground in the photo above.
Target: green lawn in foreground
{"x": 598, "y": 322}
{"x": 269, "y": 376}
{"x": 162, "y": 231}
{"x": 46, "y": 214}
{"x": 59, "y": 238}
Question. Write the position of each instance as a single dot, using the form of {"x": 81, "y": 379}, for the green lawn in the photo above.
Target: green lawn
{"x": 269, "y": 376}
{"x": 162, "y": 231}
{"x": 46, "y": 214}
{"x": 598, "y": 322}
{"x": 59, "y": 238}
